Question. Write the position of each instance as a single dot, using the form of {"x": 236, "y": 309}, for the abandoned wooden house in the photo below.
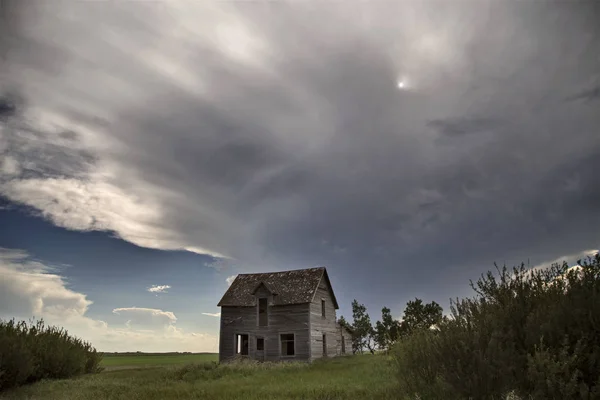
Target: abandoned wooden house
{"x": 281, "y": 316}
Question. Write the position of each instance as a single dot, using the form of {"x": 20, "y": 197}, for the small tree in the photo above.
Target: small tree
{"x": 387, "y": 330}
{"x": 362, "y": 330}
{"x": 343, "y": 323}
{"x": 419, "y": 316}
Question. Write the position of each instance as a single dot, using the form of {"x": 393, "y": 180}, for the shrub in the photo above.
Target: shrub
{"x": 34, "y": 351}
{"x": 529, "y": 333}
{"x": 418, "y": 376}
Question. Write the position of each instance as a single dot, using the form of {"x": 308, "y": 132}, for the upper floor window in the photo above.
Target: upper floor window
{"x": 263, "y": 315}
{"x": 323, "y": 308}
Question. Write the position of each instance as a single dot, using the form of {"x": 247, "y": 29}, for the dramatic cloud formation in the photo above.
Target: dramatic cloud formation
{"x": 159, "y": 288}
{"x": 29, "y": 288}
{"x": 247, "y": 130}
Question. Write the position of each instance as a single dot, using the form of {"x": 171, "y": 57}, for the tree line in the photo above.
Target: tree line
{"x": 387, "y": 331}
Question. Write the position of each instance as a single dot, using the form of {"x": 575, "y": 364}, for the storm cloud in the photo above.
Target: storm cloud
{"x": 277, "y": 135}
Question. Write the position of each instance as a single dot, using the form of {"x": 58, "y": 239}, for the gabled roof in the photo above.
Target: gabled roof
{"x": 291, "y": 287}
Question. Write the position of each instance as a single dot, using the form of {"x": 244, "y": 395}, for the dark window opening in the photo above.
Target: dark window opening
{"x": 324, "y": 345}
{"x": 287, "y": 344}
{"x": 323, "y": 308}
{"x": 263, "y": 317}
{"x": 260, "y": 343}
{"x": 241, "y": 344}
{"x": 343, "y": 344}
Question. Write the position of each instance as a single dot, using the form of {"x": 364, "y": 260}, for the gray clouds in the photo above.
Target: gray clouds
{"x": 262, "y": 132}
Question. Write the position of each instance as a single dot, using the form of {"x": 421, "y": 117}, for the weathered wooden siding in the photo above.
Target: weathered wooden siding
{"x": 282, "y": 319}
{"x": 348, "y": 341}
{"x": 320, "y": 326}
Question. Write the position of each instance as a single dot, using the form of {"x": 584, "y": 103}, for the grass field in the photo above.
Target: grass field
{"x": 118, "y": 361}
{"x": 356, "y": 377}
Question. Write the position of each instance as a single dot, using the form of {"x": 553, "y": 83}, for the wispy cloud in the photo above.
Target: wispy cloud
{"x": 219, "y": 263}
{"x": 212, "y": 314}
{"x": 230, "y": 279}
{"x": 146, "y": 315}
{"x": 159, "y": 288}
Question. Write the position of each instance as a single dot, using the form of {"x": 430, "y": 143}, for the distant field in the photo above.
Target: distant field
{"x": 118, "y": 361}
{"x": 356, "y": 377}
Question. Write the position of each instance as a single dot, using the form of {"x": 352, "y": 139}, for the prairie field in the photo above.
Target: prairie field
{"x": 352, "y": 377}
{"x": 128, "y": 360}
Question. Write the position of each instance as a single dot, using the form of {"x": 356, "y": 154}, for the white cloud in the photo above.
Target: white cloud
{"x": 212, "y": 314}
{"x": 230, "y": 279}
{"x": 570, "y": 259}
{"x": 97, "y": 204}
{"x": 32, "y": 287}
{"x": 29, "y": 288}
{"x": 146, "y": 316}
{"x": 159, "y": 288}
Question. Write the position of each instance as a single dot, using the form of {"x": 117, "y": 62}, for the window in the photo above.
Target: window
{"x": 324, "y": 345}
{"x": 260, "y": 343}
{"x": 343, "y": 344}
{"x": 323, "y": 308}
{"x": 263, "y": 317}
{"x": 287, "y": 344}
{"x": 241, "y": 344}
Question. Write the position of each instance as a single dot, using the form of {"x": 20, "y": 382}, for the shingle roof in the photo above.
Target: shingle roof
{"x": 290, "y": 287}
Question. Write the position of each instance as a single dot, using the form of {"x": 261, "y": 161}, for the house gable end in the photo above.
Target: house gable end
{"x": 263, "y": 288}
{"x": 325, "y": 277}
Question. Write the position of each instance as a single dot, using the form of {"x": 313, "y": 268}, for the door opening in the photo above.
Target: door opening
{"x": 241, "y": 344}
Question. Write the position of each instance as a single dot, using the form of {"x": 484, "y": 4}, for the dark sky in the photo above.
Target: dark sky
{"x": 407, "y": 146}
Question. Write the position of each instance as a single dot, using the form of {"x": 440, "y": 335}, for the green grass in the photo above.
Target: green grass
{"x": 131, "y": 360}
{"x": 357, "y": 377}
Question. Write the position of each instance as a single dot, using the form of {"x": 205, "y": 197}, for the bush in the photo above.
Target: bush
{"x": 31, "y": 352}
{"x": 418, "y": 375}
{"x": 529, "y": 333}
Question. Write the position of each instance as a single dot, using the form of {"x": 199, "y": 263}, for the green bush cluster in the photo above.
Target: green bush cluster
{"x": 532, "y": 333}
{"x": 33, "y": 351}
